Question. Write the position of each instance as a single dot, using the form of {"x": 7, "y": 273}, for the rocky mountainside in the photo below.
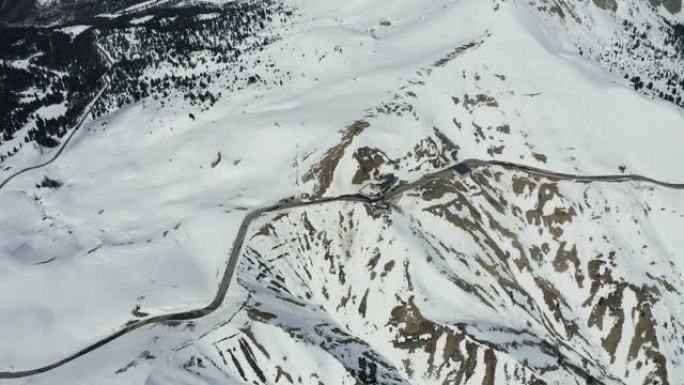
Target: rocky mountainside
{"x": 444, "y": 192}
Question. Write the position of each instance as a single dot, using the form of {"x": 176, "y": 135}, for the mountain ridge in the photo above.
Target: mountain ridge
{"x": 495, "y": 274}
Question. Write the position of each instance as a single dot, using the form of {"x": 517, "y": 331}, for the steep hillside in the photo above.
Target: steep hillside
{"x": 50, "y": 12}
{"x": 495, "y": 277}
{"x": 643, "y": 41}
{"x": 466, "y": 192}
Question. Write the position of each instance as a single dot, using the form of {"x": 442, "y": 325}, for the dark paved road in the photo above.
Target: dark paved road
{"x": 105, "y": 79}
{"x": 463, "y": 167}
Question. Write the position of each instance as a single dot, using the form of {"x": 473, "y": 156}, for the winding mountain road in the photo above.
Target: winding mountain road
{"x": 466, "y": 165}
{"x": 463, "y": 167}
{"x": 84, "y": 114}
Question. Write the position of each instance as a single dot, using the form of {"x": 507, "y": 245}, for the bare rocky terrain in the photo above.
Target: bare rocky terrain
{"x": 309, "y": 192}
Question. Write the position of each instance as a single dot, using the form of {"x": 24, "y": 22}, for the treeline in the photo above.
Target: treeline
{"x": 176, "y": 52}
{"x": 56, "y": 71}
{"x": 657, "y": 65}
{"x": 159, "y": 56}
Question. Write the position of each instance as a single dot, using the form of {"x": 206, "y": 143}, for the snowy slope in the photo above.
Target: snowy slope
{"x": 494, "y": 278}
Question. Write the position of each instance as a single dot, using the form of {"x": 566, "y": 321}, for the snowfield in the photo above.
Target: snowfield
{"x": 494, "y": 277}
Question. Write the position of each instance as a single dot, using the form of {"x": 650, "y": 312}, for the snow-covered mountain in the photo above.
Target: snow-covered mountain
{"x": 515, "y": 267}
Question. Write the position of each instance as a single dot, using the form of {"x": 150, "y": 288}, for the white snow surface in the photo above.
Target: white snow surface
{"x": 141, "y": 20}
{"x": 75, "y": 30}
{"x": 143, "y": 219}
